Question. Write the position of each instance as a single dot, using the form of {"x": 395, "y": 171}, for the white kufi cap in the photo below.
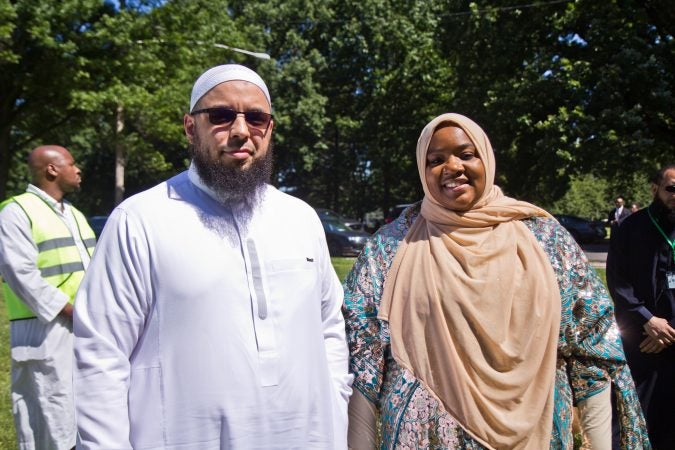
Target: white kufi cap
{"x": 220, "y": 74}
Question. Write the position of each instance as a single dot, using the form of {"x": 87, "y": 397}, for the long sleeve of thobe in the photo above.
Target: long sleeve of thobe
{"x": 18, "y": 265}
{"x": 114, "y": 327}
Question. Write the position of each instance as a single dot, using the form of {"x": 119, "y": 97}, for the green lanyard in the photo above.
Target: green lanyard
{"x": 671, "y": 243}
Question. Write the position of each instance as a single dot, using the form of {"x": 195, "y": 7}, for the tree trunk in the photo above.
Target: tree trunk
{"x": 120, "y": 155}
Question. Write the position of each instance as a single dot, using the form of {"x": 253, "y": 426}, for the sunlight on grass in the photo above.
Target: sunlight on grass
{"x": 342, "y": 266}
{"x": 603, "y": 276}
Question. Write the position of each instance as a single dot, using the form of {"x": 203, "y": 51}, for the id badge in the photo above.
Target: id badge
{"x": 670, "y": 279}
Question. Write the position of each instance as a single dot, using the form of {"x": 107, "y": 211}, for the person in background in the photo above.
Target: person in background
{"x": 634, "y": 207}
{"x": 474, "y": 320}
{"x": 641, "y": 280}
{"x": 45, "y": 247}
{"x": 211, "y": 314}
{"x": 619, "y": 213}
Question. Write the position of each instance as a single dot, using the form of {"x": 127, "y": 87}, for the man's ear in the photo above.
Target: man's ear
{"x": 655, "y": 189}
{"x": 189, "y": 127}
{"x": 52, "y": 170}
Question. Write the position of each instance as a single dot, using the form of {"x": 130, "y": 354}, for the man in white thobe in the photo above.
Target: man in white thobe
{"x": 41, "y": 338}
{"x": 210, "y": 317}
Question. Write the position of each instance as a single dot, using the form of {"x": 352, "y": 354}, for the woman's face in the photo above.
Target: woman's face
{"x": 455, "y": 174}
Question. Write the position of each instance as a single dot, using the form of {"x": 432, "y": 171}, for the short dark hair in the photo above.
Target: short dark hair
{"x": 657, "y": 178}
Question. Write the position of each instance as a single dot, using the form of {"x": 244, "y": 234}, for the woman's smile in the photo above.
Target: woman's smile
{"x": 455, "y": 174}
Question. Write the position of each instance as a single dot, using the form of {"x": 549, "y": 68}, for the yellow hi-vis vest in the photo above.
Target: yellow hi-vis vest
{"x": 58, "y": 259}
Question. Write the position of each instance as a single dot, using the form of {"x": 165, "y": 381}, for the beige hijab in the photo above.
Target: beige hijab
{"x": 474, "y": 309}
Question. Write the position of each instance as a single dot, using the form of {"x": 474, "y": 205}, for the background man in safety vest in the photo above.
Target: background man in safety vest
{"x": 45, "y": 246}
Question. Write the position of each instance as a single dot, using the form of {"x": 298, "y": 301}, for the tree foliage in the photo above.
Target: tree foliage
{"x": 41, "y": 60}
{"x": 571, "y": 93}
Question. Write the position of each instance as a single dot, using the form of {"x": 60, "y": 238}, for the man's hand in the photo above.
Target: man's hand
{"x": 659, "y": 333}
{"x": 67, "y": 311}
{"x": 651, "y": 345}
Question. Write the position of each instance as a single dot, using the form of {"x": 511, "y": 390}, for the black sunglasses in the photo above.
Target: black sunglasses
{"x": 670, "y": 188}
{"x": 225, "y": 116}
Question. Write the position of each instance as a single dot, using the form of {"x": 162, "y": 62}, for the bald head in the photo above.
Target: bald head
{"x": 53, "y": 170}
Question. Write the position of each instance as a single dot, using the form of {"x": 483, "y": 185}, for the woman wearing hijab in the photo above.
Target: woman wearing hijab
{"x": 475, "y": 321}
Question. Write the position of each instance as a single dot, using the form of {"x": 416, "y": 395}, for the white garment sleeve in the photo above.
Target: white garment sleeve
{"x": 335, "y": 341}
{"x": 18, "y": 265}
{"x": 110, "y": 312}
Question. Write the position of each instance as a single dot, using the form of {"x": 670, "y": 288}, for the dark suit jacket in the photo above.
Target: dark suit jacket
{"x": 625, "y": 212}
{"x": 636, "y": 263}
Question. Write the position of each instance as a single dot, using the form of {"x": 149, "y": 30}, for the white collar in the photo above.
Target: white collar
{"x": 51, "y": 201}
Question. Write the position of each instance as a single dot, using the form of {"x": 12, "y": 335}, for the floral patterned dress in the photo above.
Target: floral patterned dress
{"x": 589, "y": 348}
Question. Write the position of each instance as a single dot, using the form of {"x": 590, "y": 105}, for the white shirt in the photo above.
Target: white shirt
{"x": 41, "y": 348}
{"x": 195, "y": 330}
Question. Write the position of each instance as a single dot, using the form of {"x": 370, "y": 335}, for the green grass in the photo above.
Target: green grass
{"x": 603, "y": 275}
{"x": 342, "y": 266}
{"x": 7, "y": 434}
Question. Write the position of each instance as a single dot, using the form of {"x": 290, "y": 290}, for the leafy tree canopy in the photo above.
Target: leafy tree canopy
{"x": 576, "y": 96}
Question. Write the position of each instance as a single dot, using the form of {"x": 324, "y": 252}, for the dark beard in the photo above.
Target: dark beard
{"x": 663, "y": 211}
{"x": 233, "y": 185}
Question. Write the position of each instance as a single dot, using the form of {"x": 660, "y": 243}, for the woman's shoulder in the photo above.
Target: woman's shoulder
{"x": 546, "y": 228}
{"x": 556, "y": 241}
{"x": 397, "y": 229}
{"x": 383, "y": 244}
{"x": 541, "y": 223}
{"x": 378, "y": 253}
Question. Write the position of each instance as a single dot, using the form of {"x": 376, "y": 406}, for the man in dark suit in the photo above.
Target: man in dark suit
{"x": 618, "y": 214}
{"x": 641, "y": 280}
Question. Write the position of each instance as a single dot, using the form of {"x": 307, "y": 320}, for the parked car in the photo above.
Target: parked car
{"x": 97, "y": 223}
{"x": 327, "y": 214}
{"x": 582, "y": 230}
{"x": 342, "y": 240}
{"x": 395, "y": 212}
